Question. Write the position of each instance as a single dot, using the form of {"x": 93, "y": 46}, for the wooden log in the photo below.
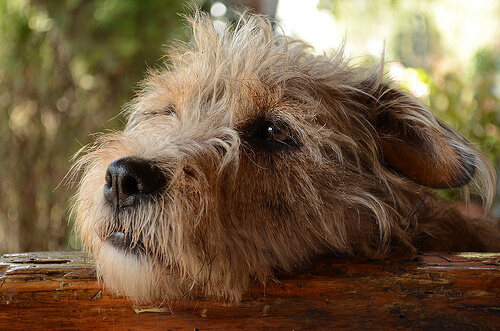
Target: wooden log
{"x": 59, "y": 290}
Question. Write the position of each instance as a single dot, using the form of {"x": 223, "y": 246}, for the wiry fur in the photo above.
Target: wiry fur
{"x": 235, "y": 209}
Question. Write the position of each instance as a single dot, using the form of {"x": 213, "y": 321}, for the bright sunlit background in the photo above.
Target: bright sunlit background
{"x": 67, "y": 67}
{"x": 464, "y": 26}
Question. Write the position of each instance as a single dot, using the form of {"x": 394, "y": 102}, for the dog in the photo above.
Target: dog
{"x": 248, "y": 154}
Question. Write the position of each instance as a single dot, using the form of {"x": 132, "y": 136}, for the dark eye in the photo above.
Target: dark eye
{"x": 275, "y": 134}
{"x": 270, "y": 135}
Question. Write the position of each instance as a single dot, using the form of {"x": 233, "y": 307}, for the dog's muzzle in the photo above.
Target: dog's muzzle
{"x": 128, "y": 181}
{"x": 121, "y": 241}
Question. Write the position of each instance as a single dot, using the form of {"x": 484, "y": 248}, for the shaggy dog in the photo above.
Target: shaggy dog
{"x": 248, "y": 154}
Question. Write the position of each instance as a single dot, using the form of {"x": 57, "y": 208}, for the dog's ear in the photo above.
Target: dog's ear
{"x": 418, "y": 145}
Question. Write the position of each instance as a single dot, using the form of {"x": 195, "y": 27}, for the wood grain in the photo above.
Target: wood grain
{"x": 59, "y": 290}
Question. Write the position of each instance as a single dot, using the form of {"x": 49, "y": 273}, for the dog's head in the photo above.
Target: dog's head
{"x": 248, "y": 153}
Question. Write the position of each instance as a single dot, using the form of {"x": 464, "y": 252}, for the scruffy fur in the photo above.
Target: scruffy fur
{"x": 248, "y": 154}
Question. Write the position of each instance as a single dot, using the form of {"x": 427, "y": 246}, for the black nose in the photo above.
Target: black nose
{"x": 130, "y": 178}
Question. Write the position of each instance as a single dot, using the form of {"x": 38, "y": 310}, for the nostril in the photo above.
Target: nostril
{"x": 109, "y": 189}
{"x": 130, "y": 185}
{"x": 108, "y": 178}
{"x": 130, "y": 178}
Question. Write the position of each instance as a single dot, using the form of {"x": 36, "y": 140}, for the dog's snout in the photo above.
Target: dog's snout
{"x": 130, "y": 178}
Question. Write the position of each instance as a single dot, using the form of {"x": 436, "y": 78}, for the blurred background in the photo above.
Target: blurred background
{"x": 67, "y": 67}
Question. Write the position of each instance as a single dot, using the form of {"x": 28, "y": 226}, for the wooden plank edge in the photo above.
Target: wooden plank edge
{"x": 428, "y": 290}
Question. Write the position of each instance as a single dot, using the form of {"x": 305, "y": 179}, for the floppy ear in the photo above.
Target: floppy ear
{"x": 418, "y": 145}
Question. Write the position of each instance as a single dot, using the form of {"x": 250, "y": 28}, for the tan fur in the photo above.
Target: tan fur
{"x": 235, "y": 205}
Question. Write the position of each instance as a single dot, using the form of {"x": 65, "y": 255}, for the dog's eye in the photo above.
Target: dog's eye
{"x": 275, "y": 134}
{"x": 270, "y": 135}
{"x": 168, "y": 111}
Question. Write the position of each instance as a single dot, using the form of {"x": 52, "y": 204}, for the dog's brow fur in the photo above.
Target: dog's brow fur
{"x": 272, "y": 155}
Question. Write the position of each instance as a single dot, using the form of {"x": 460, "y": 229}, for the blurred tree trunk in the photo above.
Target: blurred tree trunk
{"x": 66, "y": 69}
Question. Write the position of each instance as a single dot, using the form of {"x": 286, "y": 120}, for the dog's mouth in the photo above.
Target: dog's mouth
{"x": 125, "y": 243}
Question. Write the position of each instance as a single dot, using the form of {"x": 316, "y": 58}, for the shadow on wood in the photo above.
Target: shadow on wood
{"x": 58, "y": 290}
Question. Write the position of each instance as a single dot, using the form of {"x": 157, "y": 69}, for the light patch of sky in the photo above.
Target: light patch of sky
{"x": 302, "y": 19}
{"x": 464, "y": 26}
{"x": 467, "y": 26}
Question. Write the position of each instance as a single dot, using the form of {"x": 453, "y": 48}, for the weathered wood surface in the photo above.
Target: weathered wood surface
{"x": 58, "y": 290}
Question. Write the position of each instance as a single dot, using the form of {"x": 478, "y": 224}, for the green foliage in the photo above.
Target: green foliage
{"x": 470, "y": 102}
{"x": 66, "y": 67}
